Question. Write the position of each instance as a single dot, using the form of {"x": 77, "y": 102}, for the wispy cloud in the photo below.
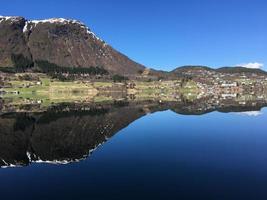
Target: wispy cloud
{"x": 252, "y": 65}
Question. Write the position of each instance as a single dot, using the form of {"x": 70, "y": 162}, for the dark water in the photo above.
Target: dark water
{"x": 172, "y": 153}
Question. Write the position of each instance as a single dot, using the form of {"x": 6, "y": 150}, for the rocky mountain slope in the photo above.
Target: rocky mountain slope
{"x": 66, "y": 43}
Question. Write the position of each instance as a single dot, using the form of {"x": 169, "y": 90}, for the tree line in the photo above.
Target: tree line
{"x": 48, "y": 68}
{"x": 23, "y": 64}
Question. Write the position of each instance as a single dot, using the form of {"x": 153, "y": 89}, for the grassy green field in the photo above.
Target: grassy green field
{"x": 48, "y": 91}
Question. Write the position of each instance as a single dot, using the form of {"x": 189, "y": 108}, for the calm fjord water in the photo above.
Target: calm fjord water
{"x": 163, "y": 155}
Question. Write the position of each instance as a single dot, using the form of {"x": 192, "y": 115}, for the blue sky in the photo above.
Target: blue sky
{"x": 165, "y": 34}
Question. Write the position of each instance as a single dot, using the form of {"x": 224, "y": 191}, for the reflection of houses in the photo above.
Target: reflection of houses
{"x": 131, "y": 85}
{"x": 14, "y": 92}
{"x": 224, "y": 85}
{"x": 33, "y": 101}
{"x": 229, "y": 95}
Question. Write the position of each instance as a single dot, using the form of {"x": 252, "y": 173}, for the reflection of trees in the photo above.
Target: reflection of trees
{"x": 68, "y": 132}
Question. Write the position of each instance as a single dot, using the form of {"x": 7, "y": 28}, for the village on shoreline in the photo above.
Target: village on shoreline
{"x": 190, "y": 85}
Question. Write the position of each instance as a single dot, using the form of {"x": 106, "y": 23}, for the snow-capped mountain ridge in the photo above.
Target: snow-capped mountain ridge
{"x": 49, "y": 20}
{"x": 64, "y": 42}
{"x": 29, "y": 23}
{"x": 10, "y": 18}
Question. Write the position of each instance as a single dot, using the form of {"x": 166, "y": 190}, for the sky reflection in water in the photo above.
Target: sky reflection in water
{"x": 161, "y": 155}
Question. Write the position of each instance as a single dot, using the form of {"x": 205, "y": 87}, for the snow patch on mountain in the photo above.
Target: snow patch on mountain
{"x": 9, "y": 18}
{"x": 25, "y": 28}
{"x": 62, "y": 21}
{"x": 56, "y": 20}
{"x": 29, "y": 24}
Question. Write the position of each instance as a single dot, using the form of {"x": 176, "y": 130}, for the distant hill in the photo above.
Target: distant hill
{"x": 191, "y": 67}
{"x": 197, "y": 69}
{"x": 61, "y": 42}
{"x": 240, "y": 70}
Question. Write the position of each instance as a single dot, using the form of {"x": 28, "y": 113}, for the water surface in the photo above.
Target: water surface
{"x": 134, "y": 151}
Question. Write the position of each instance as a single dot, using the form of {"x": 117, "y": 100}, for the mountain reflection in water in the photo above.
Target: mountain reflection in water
{"x": 70, "y": 132}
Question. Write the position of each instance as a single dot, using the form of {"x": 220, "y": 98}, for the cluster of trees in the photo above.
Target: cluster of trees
{"x": 61, "y": 77}
{"x": 184, "y": 80}
{"x": 7, "y": 69}
{"x": 21, "y": 63}
{"x": 119, "y": 78}
{"x": 52, "y": 69}
{"x": 140, "y": 71}
{"x": 240, "y": 70}
{"x": 28, "y": 77}
{"x": 2, "y": 83}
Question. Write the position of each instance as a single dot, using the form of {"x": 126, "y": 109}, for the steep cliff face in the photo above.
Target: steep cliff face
{"x": 66, "y": 43}
{"x": 12, "y": 40}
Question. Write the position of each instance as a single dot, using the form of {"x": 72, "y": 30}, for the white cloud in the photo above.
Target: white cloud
{"x": 251, "y": 113}
{"x": 251, "y": 65}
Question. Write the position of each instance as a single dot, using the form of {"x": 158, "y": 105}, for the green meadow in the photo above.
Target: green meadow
{"x": 47, "y": 91}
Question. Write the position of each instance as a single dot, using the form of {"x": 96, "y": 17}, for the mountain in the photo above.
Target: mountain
{"x": 61, "y": 42}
